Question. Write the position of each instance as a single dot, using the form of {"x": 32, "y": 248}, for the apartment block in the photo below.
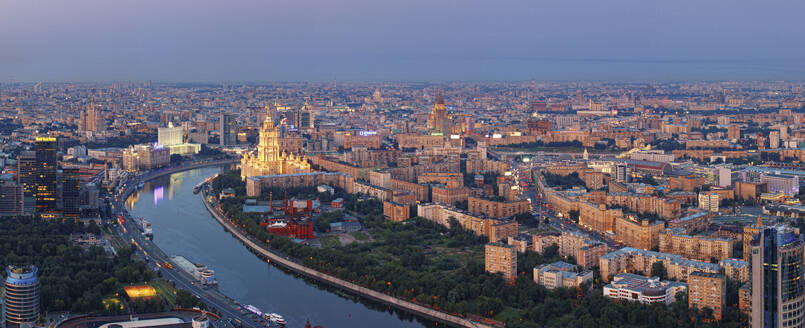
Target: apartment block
{"x": 675, "y": 241}
{"x": 707, "y": 290}
{"x": 501, "y": 258}
{"x": 630, "y": 259}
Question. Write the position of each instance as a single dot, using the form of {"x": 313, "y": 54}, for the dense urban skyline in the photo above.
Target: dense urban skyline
{"x": 393, "y": 41}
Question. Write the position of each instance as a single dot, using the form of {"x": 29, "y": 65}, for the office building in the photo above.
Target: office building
{"x": 304, "y": 118}
{"x": 173, "y": 138}
{"x": 26, "y": 177}
{"x": 501, "y": 258}
{"x": 21, "y": 301}
{"x": 707, "y": 290}
{"x": 11, "y": 198}
{"x": 170, "y": 135}
{"x": 788, "y": 184}
{"x": 228, "y": 129}
{"x": 46, "y": 181}
{"x": 71, "y": 193}
{"x": 778, "y": 290}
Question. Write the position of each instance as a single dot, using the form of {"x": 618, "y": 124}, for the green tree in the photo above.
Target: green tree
{"x": 658, "y": 270}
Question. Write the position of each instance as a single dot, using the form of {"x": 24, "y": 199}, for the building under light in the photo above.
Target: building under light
{"x": 21, "y": 301}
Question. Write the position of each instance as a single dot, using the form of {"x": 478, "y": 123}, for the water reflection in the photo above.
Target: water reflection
{"x": 158, "y": 195}
{"x": 182, "y": 226}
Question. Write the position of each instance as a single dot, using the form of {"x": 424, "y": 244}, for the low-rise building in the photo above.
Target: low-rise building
{"x": 635, "y": 288}
{"x": 560, "y": 274}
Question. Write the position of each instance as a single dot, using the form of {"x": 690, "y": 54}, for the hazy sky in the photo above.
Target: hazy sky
{"x": 293, "y": 40}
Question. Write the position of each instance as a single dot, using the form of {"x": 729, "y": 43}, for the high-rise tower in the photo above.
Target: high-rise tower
{"x": 777, "y": 281}
{"x": 438, "y": 120}
{"x": 46, "y": 180}
{"x": 71, "y": 193}
{"x": 26, "y": 177}
{"x": 21, "y": 305}
{"x": 228, "y": 129}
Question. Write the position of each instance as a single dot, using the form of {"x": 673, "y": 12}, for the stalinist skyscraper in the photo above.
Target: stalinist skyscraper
{"x": 438, "y": 120}
{"x": 91, "y": 120}
{"x": 267, "y": 159}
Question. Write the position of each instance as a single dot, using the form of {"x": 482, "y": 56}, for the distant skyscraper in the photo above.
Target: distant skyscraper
{"x": 228, "y": 129}
{"x": 438, "y": 120}
{"x": 46, "y": 181}
{"x": 91, "y": 120}
{"x": 21, "y": 302}
{"x": 11, "y": 203}
{"x": 26, "y": 177}
{"x": 777, "y": 281}
{"x": 71, "y": 193}
{"x": 303, "y": 118}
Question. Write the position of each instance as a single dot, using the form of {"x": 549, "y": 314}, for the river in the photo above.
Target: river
{"x": 182, "y": 226}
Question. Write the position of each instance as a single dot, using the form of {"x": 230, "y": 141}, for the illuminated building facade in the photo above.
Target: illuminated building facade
{"x": 21, "y": 301}
{"x": 46, "y": 180}
{"x": 267, "y": 159}
{"x": 438, "y": 120}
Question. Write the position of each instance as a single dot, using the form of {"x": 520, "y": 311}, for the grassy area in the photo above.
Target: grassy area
{"x": 360, "y": 235}
{"x": 508, "y": 314}
{"x": 164, "y": 291}
{"x": 330, "y": 242}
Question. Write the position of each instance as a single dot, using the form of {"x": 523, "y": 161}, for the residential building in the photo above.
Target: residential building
{"x": 695, "y": 247}
{"x": 707, "y": 290}
{"x": 709, "y": 201}
{"x": 736, "y": 269}
{"x": 501, "y": 258}
{"x": 630, "y": 259}
{"x": 560, "y": 274}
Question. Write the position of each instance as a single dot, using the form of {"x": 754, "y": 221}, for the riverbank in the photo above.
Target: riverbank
{"x": 292, "y": 265}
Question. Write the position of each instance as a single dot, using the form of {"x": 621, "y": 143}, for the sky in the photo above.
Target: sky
{"x": 404, "y": 40}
